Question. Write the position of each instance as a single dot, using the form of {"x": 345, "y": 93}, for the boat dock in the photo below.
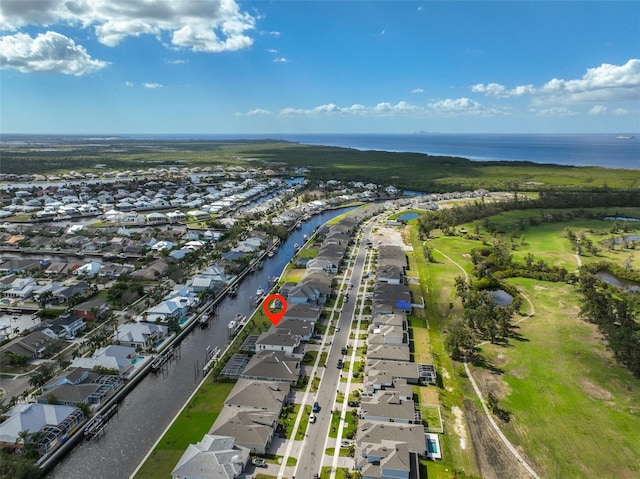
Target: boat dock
{"x": 96, "y": 425}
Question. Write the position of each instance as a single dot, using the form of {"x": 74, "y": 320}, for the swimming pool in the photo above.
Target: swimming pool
{"x": 137, "y": 360}
{"x": 433, "y": 446}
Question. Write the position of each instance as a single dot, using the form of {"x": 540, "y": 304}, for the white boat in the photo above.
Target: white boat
{"x": 624, "y": 137}
{"x": 305, "y": 237}
{"x": 260, "y": 292}
{"x": 296, "y": 246}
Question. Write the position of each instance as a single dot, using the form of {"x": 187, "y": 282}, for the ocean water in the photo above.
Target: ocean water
{"x": 571, "y": 149}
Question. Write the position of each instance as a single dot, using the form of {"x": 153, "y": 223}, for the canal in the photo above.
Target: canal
{"x": 150, "y": 407}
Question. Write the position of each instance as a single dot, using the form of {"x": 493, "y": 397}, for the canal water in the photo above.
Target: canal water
{"x": 150, "y": 407}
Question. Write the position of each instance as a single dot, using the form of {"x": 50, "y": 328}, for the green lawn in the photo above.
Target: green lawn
{"x": 191, "y": 425}
{"x": 575, "y": 412}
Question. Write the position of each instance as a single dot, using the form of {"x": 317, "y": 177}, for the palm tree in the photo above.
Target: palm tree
{"x": 23, "y": 436}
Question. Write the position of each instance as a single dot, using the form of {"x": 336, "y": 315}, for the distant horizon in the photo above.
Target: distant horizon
{"x": 323, "y": 133}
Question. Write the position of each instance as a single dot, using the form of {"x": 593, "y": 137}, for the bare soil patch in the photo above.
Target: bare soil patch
{"x": 493, "y": 458}
{"x": 390, "y": 236}
{"x": 458, "y": 426}
{"x": 594, "y": 390}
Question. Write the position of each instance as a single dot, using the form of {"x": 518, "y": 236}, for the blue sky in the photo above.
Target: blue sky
{"x": 201, "y": 66}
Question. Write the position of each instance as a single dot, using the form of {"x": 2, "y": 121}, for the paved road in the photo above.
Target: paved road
{"x": 317, "y": 438}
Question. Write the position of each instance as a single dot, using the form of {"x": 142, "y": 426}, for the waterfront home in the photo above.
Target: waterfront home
{"x": 272, "y": 366}
{"x": 113, "y": 357}
{"x": 250, "y": 428}
{"x": 214, "y": 457}
{"x": 140, "y": 335}
{"x": 268, "y": 396}
{"x": 21, "y": 288}
{"x": 89, "y": 269}
{"x": 278, "y": 340}
{"x": 79, "y": 385}
{"x": 54, "y": 421}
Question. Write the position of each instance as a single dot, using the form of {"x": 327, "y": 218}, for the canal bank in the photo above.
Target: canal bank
{"x": 147, "y": 411}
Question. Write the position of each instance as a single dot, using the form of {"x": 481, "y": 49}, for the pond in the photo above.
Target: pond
{"x": 501, "y": 296}
{"x": 407, "y": 216}
{"x": 628, "y": 238}
{"x": 621, "y": 283}
{"x": 620, "y": 218}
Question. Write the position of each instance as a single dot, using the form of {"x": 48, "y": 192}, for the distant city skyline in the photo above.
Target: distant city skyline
{"x": 257, "y": 67}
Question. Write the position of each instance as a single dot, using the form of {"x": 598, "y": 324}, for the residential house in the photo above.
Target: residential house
{"x": 303, "y": 312}
{"x": 386, "y": 334}
{"x": 267, "y": 396}
{"x": 250, "y": 428}
{"x": 215, "y": 457}
{"x": 66, "y": 325}
{"x": 303, "y": 294}
{"x": 34, "y": 345}
{"x": 140, "y": 335}
{"x": 272, "y": 366}
{"x": 89, "y": 269}
{"x": 56, "y": 421}
{"x": 21, "y": 288}
{"x": 297, "y": 327}
{"x": 113, "y": 357}
{"x": 387, "y": 406}
{"x": 278, "y": 340}
{"x": 79, "y": 385}
{"x": 92, "y": 309}
{"x": 392, "y": 352}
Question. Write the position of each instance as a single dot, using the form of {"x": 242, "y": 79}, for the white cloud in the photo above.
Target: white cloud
{"x": 500, "y": 91}
{"x": 459, "y": 105}
{"x": 153, "y": 86}
{"x": 48, "y": 52}
{"x": 272, "y": 50}
{"x": 553, "y": 112}
{"x": 128, "y": 84}
{"x": 281, "y": 60}
{"x": 606, "y": 83}
{"x": 598, "y": 110}
{"x": 620, "y": 111}
{"x": 176, "y": 62}
{"x": 203, "y": 25}
{"x": 417, "y": 90}
{"x": 258, "y": 112}
{"x": 381, "y": 109}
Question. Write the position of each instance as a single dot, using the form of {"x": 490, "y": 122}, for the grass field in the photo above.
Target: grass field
{"x": 193, "y": 423}
{"x": 574, "y": 411}
{"x": 435, "y": 278}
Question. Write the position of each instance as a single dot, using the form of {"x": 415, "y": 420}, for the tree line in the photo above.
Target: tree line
{"x": 446, "y": 219}
{"x": 616, "y": 314}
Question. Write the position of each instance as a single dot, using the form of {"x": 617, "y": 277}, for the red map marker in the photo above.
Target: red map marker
{"x": 274, "y": 317}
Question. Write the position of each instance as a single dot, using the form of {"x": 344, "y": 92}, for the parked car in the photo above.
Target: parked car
{"x": 353, "y": 403}
{"x": 350, "y": 285}
{"x": 312, "y": 418}
{"x": 344, "y": 350}
{"x": 340, "y": 364}
{"x": 345, "y": 443}
{"x": 316, "y": 407}
{"x": 259, "y": 462}
{"x": 337, "y": 329}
